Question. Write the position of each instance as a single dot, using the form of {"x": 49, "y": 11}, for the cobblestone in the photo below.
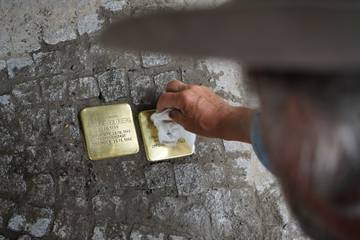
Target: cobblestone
{"x": 33, "y": 124}
{"x": 89, "y": 24}
{"x": 159, "y": 176}
{"x": 63, "y": 122}
{"x": 38, "y": 159}
{"x": 6, "y": 207}
{"x": 142, "y": 232}
{"x": 7, "y": 108}
{"x": 59, "y": 34}
{"x": 113, "y": 85}
{"x": 190, "y": 179}
{"x": 84, "y": 88}
{"x": 114, "y": 5}
{"x": 154, "y": 59}
{"x": 35, "y": 221}
{"x": 27, "y": 93}
{"x": 162, "y": 79}
{"x": 42, "y": 190}
{"x": 54, "y": 89}
{"x": 12, "y": 183}
{"x": 142, "y": 88}
{"x": 16, "y": 64}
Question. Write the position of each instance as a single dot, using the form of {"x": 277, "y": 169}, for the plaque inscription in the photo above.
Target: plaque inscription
{"x": 109, "y": 131}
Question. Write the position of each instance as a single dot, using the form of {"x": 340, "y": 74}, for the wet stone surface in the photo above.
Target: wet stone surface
{"x": 51, "y": 67}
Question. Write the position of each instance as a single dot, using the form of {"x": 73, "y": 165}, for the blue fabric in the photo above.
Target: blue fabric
{"x": 257, "y": 141}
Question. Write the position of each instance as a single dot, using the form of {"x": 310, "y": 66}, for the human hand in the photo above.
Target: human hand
{"x": 199, "y": 110}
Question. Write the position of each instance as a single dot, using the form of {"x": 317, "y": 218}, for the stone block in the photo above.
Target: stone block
{"x": 113, "y": 84}
{"x": 70, "y": 224}
{"x": 42, "y": 190}
{"x": 15, "y": 65}
{"x": 33, "y": 124}
{"x": 162, "y": 79}
{"x": 89, "y": 24}
{"x": 114, "y": 5}
{"x": 150, "y": 59}
{"x": 38, "y": 159}
{"x": 174, "y": 237}
{"x": 113, "y": 231}
{"x": 142, "y": 89}
{"x": 84, "y": 88}
{"x": 7, "y": 108}
{"x": 60, "y": 33}
{"x": 190, "y": 179}
{"x": 159, "y": 175}
{"x": 34, "y": 221}
{"x": 12, "y": 182}
{"x": 54, "y": 88}
{"x": 6, "y": 208}
{"x": 8, "y": 136}
{"x": 27, "y": 93}
{"x": 142, "y": 232}
{"x": 63, "y": 122}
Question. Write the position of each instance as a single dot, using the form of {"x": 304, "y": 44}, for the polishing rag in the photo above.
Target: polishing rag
{"x": 169, "y": 132}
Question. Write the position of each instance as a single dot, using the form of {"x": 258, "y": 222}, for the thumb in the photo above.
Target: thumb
{"x": 177, "y": 117}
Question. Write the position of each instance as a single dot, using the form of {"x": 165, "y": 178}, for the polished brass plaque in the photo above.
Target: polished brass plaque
{"x": 109, "y": 131}
{"x": 156, "y": 151}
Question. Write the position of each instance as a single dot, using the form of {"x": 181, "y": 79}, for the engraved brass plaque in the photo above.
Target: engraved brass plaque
{"x": 109, "y": 131}
{"x": 154, "y": 150}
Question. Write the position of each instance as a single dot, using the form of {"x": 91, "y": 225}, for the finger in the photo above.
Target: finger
{"x": 176, "y": 86}
{"x": 177, "y": 116}
{"x": 169, "y": 100}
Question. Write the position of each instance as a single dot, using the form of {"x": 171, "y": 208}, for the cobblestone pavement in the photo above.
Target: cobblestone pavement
{"x": 50, "y": 68}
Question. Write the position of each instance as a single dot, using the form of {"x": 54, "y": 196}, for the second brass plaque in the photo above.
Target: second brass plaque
{"x": 156, "y": 151}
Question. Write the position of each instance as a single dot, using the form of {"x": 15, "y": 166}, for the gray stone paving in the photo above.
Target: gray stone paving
{"x": 51, "y": 67}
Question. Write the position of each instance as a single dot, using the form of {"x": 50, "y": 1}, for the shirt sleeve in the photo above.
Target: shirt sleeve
{"x": 257, "y": 142}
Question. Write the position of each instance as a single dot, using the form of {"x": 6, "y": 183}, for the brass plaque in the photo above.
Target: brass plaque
{"x": 156, "y": 151}
{"x": 109, "y": 131}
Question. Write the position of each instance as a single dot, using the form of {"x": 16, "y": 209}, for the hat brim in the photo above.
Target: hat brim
{"x": 272, "y": 36}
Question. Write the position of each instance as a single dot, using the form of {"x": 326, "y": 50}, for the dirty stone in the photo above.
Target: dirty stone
{"x": 63, "y": 122}
{"x": 33, "y": 124}
{"x": 113, "y": 84}
{"x": 2, "y": 65}
{"x": 42, "y": 190}
{"x": 162, "y": 79}
{"x": 4, "y": 238}
{"x": 159, "y": 175}
{"x": 16, "y": 64}
{"x": 54, "y": 89}
{"x": 84, "y": 88}
{"x": 174, "y": 237}
{"x": 12, "y": 183}
{"x": 38, "y": 159}
{"x": 114, "y": 5}
{"x": 6, "y": 208}
{"x": 35, "y": 221}
{"x": 7, "y": 139}
{"x": 24, "y": 237}
{"x": 89, "y": 24}
{"x": 27, "y": 93}
{"x": 142, "y": 232}
{"x": 154, "y": 59}
{"x": 7, "y": 108}
{"x": 70, "y": 224}
{"x": 190, "y": 179}
{"x": 110, "y": 231}
{"x": 59, "y": 34}
{"x": 142, "y": 88}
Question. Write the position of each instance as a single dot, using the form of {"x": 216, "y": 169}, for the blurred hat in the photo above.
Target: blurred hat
{"x": 312, "y": 35}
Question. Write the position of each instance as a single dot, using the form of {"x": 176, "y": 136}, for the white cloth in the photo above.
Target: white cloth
{"x": 169, "y": 132}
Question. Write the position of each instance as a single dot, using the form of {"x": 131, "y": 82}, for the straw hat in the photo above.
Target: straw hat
{"x": 311, "y": 35}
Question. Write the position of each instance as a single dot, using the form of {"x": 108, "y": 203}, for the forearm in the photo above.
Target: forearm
{"x": 236, "y": 124}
